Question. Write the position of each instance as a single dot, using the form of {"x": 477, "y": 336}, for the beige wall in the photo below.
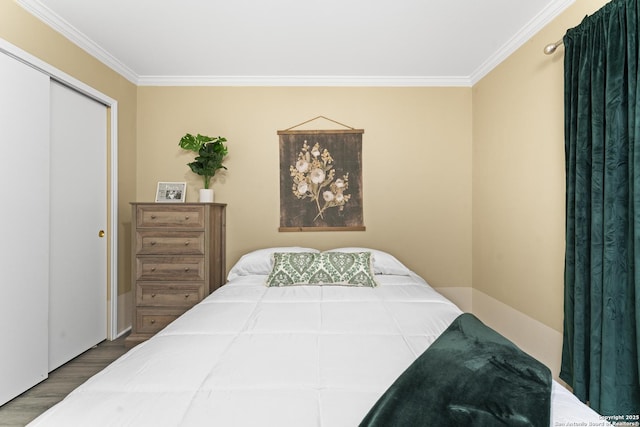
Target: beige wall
{"x": 21, "y": 29}
{"x": 416, "y": 161}
{"x": 518, "y": 176}
{"x": 464, "y": 185}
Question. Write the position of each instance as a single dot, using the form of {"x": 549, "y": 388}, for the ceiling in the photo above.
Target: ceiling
{"x": 299, "y": 42}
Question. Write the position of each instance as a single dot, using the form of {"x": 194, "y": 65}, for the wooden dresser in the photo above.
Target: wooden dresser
{"x": 178, "y": 258}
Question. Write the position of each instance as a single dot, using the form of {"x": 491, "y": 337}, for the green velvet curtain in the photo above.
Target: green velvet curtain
{"x": 602, "y": 262}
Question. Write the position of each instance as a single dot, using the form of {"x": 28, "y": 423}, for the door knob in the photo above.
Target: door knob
{"x": 101, "y": 233}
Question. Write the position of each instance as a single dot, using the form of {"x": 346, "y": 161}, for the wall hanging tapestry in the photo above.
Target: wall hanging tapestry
{"x": 321, "y": 179}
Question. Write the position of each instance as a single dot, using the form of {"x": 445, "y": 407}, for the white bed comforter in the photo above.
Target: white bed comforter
{"x": 294, "y": 356}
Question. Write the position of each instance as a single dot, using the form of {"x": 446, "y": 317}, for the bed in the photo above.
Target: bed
{"x": 301, "y": 355}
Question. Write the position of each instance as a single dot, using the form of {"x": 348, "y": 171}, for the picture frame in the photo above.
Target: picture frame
{"x": 171, "y": 192}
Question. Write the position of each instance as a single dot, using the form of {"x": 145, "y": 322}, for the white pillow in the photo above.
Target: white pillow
{"x": 383, "y": 262}
{"x": 260, "y": 261}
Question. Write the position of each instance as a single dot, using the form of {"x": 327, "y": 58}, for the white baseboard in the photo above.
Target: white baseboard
{"x": 536, "y": 338}
{"x": 125, "y": 304}
{"x": 460, "y": 296}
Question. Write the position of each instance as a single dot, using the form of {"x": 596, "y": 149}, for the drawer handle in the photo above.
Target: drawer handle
{"x": 186, "y": 217}
{"x": 153, "y": 269}
{"x": 153, "y": 217}
{"x": 153, "y": 321}
{"x": 186, "y": 243}
{"x": 186, "y": 269}
{"x": 187, "y": 295}
{"x": 153, "y": 295}
{"x": 153, "y": 243}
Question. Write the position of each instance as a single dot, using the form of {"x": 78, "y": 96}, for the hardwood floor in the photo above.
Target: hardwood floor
{"x": 26, "y": 407}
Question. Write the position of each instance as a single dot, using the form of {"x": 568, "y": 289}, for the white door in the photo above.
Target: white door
{"x": 24, "y": 216}
{"x": 78, "y": 268}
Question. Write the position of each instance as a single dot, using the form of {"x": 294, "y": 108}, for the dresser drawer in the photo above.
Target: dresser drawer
{"x": 177, "y": 258}
{"x": 150, "y": 322}
{"x": 170, "y": 216}
{"x": 170, "y": 243}
{"x": 170, "y": 268}
{"x": 165, "y": 294}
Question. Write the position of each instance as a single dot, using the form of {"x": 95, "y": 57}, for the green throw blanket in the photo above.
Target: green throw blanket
{"x": 469, "y": 376}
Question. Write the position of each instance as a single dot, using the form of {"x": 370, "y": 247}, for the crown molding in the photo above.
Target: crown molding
{"x": 547, "y": 15}
{"x": 42, "y": 12}
{"x": 39, "y": 10}
{"x": 328, "y": 81}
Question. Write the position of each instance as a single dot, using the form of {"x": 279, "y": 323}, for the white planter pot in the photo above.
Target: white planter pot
{"x": 206, "y": 195}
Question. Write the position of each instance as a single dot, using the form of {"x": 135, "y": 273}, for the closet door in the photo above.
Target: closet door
{"x": 78, "y": 273}
{"x": 24, "y": 217}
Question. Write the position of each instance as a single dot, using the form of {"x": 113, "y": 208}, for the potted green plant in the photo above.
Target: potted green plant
{"x": 211, "y": 152}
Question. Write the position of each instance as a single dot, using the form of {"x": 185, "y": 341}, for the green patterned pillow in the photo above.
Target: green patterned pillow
{"x": 290, "y": 268}
{"x": 308, "y": 268}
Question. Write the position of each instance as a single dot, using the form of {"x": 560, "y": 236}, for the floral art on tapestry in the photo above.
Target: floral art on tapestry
{"x": 321, "y": 180}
